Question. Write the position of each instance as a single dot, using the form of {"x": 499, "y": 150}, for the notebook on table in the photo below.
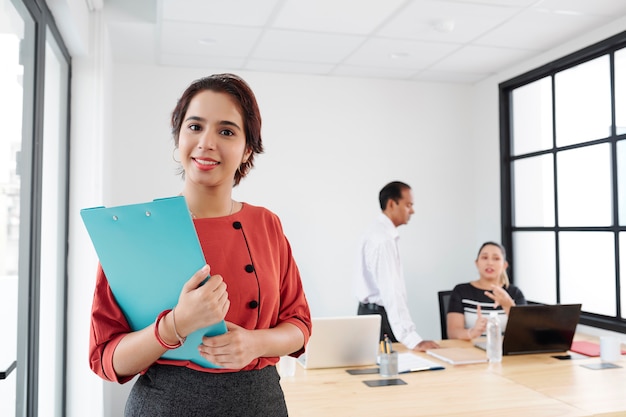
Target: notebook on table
{"x": 342, "y": 342}
{"x": 539, "y": 328}
{"x": 410, "y": 362}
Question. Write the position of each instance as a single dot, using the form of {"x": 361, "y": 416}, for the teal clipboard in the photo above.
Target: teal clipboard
{"x": 148, "y": 251}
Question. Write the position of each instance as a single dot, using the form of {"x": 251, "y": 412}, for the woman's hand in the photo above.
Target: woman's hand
{"x": 501, "y": 298}
{"x": 201, "y": 305}
{"x": 233, "y": 350}
{"x": 479, "y": 327}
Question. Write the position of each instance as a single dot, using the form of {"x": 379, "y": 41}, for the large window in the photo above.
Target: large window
{"x": 563, "y": 146}
{"x": 34, "y": 106}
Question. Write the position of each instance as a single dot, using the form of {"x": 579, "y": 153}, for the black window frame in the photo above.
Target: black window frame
{"x": 608, "y": 46}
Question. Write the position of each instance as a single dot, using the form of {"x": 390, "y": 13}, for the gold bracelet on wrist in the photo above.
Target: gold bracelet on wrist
{"x": 179, "y": 337}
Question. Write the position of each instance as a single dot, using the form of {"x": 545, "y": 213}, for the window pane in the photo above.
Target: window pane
{"x": 16, "y": 84}
{"x": 584, "y": 186}
{"x": 622, "y": 263}
{"x": 620, "y": 91}
{"x": 534, "y": 268}
{"x": 583, "y": 102}
{"x": 587, "y": 265}
{"x": 621, "y": 181}
{"x": 534, "y": 191}
{"x": 532, "y": 117}
{"x": 52, "y": 266}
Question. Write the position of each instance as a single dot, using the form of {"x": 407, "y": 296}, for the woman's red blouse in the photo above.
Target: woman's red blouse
{"x": 251, "y": 252}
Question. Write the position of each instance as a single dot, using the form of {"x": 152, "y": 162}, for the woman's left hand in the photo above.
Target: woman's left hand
{"x": 233, "y": 350}
{"x": 501, "y": 297}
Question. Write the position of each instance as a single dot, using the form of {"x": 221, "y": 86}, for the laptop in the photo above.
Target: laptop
{"x": 342, "y": 342}
{"x": 538, "y": 328}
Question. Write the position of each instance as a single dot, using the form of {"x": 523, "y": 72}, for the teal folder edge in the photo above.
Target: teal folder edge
{"x": 148, "y": 251}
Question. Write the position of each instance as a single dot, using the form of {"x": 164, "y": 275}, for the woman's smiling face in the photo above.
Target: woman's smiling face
{"x": 212, "y": 139}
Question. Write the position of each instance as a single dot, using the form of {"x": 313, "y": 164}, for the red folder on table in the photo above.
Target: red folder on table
{"x": 588, "y": 348}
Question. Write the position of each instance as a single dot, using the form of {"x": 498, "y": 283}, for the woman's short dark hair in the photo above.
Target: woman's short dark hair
{"x": 241, "y": 92}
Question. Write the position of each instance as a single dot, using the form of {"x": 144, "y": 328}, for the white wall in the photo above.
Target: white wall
{"x": 331, "y": 144}
{"x": 89, "y": 130}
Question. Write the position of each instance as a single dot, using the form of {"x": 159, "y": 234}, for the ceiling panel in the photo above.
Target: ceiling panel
{"x": 305, "y": 46}
{"x": 482, "y": 59}
{"x": 539, "y": 30}
{"x": 206, "y": 39}
{"x": 386, "y": 53}
{"x": 330, "y": 15}
{"x": 456, "y": 41}
{"x": 230, "y": 12}
{"x": 445, "y": 21}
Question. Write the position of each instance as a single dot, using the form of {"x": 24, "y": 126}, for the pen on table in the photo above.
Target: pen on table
{"x": 387, "y": 345}
{"x": 430, "y": 368}
{"x": 382, "y": 347}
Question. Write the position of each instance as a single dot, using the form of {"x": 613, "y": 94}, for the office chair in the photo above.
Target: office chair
{"x": 444, "y": 300}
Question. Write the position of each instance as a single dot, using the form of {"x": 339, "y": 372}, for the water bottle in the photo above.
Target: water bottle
{"x": 494, "y": 338}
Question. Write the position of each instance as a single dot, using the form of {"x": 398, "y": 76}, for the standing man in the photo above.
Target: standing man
{"x": 380, "y": 285}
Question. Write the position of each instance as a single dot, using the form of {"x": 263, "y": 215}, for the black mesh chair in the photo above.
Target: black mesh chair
{"x": 444, "y": 300}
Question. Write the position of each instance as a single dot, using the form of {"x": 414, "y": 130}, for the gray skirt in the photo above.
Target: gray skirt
{"x": 168, "y": 391}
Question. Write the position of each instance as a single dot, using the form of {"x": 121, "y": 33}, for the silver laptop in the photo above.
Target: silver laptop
{"x": 342, "y": 342}
{"x": 539, "y": 328}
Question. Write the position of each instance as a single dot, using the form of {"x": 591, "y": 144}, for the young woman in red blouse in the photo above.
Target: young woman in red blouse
{"x": 255, "y": 284}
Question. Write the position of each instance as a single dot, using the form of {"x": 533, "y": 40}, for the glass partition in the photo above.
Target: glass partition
{"x": 53, "y": 236}
{"x": 16, "y": 86}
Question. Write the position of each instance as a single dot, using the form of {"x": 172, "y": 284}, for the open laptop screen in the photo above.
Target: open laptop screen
{"x": 540, "y": 328}
{"x": 342, "y": 341}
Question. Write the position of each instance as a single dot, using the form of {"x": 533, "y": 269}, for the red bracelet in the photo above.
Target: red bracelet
{"x": 158, "y": 336}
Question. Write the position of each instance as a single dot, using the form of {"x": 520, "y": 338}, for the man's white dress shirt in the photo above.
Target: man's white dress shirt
{"x": 379, "y": 278}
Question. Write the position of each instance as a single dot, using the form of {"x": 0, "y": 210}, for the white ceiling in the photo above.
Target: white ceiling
{"x": 460, "y": 41}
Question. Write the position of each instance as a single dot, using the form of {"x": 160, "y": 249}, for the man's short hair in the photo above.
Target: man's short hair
{"x": 391, "y": 191}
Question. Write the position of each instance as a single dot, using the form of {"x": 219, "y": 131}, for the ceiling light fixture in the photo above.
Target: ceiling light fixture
{"x": 207, "y": 41}
{"x": 561, "y": 12}
{"x": 398, "y": 55}
{"x": 444, "y": 25}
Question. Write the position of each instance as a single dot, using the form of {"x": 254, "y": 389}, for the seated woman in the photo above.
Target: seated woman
{"x": 471, "y": 303}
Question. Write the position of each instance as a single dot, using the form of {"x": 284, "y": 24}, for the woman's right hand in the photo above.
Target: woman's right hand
{"x": 480, "y": 326}
{"x": 201, "y": 305}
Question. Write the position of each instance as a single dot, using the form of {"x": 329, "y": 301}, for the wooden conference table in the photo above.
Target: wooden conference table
{"x": 526, "y": 385}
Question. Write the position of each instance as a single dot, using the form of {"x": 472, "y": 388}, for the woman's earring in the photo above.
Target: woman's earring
{"x": 174, "y": 155}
